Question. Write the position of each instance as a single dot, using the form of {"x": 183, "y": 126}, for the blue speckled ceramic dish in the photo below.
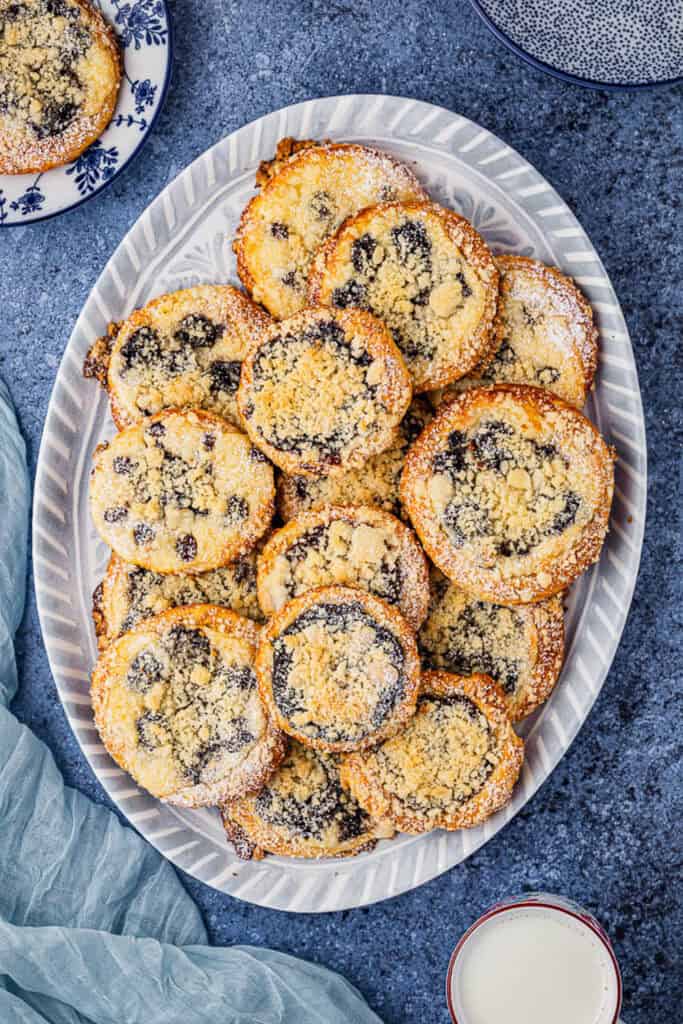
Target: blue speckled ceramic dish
{"x": 602, "y": 44}
{"x": 144, "y": 31}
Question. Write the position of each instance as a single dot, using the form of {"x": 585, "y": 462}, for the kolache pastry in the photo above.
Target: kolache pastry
{"x": 520, "y": 647}
{"x": 60, "y": 72}
{"x": 176, "y": 704}
{"x": 181, "y": 350}
{"x": 338, "y": 669}
{"x": 509, "y": 489}
{"x": 302, "y": 811}
{"x": 351, "y": 546}
{"x": 181, "y": 492}
{"x": 375, "y": 483}
{"x": 128, "y": 594}
{"x": 426, "y": 273}
{"x": 305, "y": 194}
{"x": 324, "y": 390}
{"x": 453, "y": 766}
{"x": 545, "y": 334}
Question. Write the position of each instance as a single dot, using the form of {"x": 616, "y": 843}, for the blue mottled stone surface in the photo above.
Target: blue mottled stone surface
{"x": 606, "y": 826}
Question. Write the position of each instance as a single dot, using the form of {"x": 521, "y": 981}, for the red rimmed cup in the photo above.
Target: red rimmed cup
{"x": 536, "y": 957}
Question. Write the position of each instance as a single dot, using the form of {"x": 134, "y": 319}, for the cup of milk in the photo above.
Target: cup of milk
{"x": 535, "y": 959}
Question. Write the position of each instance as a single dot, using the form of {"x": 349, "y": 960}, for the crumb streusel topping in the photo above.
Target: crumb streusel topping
{"x": 323, "y": 391}
{"x": 337, "y": 673}
{"x": 443, "y": 758}
{"x": 128, "y": 594}
{"x": 177, "y": 701}
{"x": 183, "y": 350}
{"x": 375, "y": 483}
{"x": 352, "y": 546}
{"x": 304, "y": 201}
{"x": 181, "y": 492}
{"x": 338, "y": 668}
{"x": 426, "y": 273}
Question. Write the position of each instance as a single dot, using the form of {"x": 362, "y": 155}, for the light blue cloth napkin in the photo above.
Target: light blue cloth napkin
{"x": 94, "y": 925}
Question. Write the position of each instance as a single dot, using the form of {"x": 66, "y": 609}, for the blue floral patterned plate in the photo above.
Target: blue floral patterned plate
{"x": 144, "y": 31}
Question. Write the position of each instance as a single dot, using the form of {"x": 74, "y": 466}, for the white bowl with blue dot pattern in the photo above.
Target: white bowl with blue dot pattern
{"x": 605, "y": 44}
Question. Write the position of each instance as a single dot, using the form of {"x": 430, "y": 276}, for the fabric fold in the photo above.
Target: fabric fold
{"x": 95, "y": 927}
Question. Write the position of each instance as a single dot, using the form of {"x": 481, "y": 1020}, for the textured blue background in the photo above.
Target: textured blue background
{"x": 605, "y": 827}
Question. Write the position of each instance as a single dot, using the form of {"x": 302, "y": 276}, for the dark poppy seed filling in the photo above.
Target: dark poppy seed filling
{"x": 186, "y": 546}
{"x": 182, "y": 350}
{"x": 322, "y": 389}
{"x": 293, "y": 280}
{"x": 43, "y": 93}
{"x": 152, "y": 731}
{"x": 256, "y": 455}
{"x": 198, "y": 331}
{"x": 547, "y": 375}
{"x": 362, "y": 252}
{"x": 443, "y": 758}
{"x": 323, "y": 206}
{"x": 467, "y": 636}
{"x": 152, "y": 355}
{"x": 337, "y": 673}
{"x": 181, "y": 494}
{"x": 237, "y": 508}
{"x": 116, "y": 514}
{"x": 376, "y": 483}
{"x": 224, "y": 376}
{"x": 352, "y": 294}
{"x": 132, "y": 594}
{"x": 412, "y": 243}
{"x": 305, "y": 800}
{"x": 494, "y": 482}
{"x": 143, "y": 533}
{"x": 201, "y": 702}
{"x": 122, "y": 464}
{"x": 189, "y": 646}
{"x": 404, "y": 263}
{"x": 144, "y": 671}
{"x": 359, "y": 547}
{"x": 141, "y": 350}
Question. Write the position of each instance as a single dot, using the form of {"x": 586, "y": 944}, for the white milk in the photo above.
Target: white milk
{"x": 532, "y": 965}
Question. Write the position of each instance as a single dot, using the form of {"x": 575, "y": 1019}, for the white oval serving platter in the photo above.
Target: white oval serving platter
{"x": 183, "y": 239}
